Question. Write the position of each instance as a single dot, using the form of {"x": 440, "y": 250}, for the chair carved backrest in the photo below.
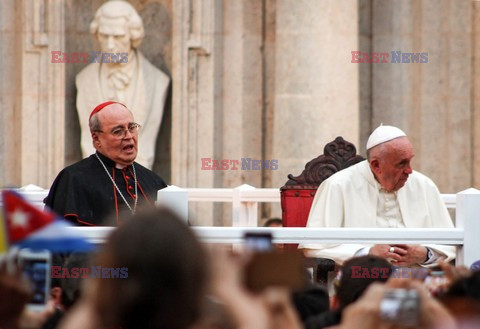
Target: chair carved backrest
{"x": 298, "y": 192}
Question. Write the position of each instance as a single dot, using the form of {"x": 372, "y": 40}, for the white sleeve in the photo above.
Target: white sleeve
{"x": 328, "y": 211}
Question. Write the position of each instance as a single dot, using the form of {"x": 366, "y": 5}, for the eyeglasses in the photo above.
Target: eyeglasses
{"x": 121, "y": 132}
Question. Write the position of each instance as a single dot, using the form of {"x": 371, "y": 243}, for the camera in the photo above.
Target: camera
{"x": 400, "y": 306}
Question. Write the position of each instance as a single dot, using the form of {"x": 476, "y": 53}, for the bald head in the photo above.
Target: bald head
{"x": 112, "y": 134}
{"x": 113, "y": 112}
{"x": 390, "y": 162}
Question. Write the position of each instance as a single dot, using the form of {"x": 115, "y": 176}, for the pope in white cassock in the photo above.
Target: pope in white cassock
{"x": 382, "y": 191}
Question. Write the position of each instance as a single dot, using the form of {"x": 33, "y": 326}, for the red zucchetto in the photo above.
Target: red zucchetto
{"x": 101, "y": 106}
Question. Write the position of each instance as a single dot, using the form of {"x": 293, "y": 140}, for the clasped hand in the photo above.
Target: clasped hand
{"x": 400, "y": 254}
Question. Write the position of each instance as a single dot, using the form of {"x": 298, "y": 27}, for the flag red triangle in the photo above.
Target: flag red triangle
{"x": 22, "y": 218}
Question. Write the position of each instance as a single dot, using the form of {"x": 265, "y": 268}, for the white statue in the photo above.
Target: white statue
{"x": 126, "y": 77}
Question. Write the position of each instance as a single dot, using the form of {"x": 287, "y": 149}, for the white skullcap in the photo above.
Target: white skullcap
{"x": 383, "y": 134}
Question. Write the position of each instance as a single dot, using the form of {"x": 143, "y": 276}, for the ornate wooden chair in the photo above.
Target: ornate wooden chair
{"x": 298, "y": 192}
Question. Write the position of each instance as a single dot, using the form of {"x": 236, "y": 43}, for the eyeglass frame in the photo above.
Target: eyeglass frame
{"x": 132, "y": 128}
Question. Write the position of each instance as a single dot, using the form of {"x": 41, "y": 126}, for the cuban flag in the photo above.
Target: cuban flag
{"x": 3, "y": 236}
{"x": 29, "y": 227}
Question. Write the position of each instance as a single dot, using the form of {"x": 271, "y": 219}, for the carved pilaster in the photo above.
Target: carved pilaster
{"x": 195, "y": 68}
{"x": 217, "y": 95}
{"x": 476, "y": 94}
{"x": 34, "y": 151}
{"x": 43, "y": 90}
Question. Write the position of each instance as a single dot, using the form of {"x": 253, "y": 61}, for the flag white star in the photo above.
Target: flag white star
{"x": 19, "y": 218}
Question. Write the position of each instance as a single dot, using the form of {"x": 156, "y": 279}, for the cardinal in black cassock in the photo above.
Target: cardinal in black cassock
{"x": 108, "y": 182}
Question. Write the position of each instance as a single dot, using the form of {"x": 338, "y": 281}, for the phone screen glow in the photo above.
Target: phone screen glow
{"x": 37, "y": 271}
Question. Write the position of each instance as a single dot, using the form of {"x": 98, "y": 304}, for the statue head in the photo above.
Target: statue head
{"x": 118, "y": 27}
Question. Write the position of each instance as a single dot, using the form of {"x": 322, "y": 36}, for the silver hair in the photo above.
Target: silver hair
{"x": 94, "y": 123}
{"x": 379, "y": 151}
{"x": 120, "y": 8}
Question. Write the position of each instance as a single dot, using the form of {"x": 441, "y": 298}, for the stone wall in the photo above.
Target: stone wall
{"x": 31, "y": 92}
{"x": 430, "y": 101}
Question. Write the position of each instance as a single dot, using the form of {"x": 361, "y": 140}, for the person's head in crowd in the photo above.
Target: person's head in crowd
{"x": 66, "y": 289}
{"x": 55, "y": 282}
{"x": 311, "y": 302}
{"x": 273, "y": 222}
{"x": 353, "y": 279}
{"x": 356, "y": 275}
{"x": 462, "y": 298}
{"x": 466, "y": 287}
{"x": 114, "y": 132}
{"x": 56, "y": 293}
{"x": 71, "y": 287}
{"x": 166, "y": 274}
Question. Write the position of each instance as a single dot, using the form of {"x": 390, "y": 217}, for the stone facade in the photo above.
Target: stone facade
{"x": 31, "y": 92}
{"x": 265, "y": 80}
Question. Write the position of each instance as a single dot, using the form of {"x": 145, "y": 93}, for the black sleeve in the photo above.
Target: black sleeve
{"x": 60, "y": 199}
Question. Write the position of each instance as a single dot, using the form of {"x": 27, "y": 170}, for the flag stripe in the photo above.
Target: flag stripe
{"x": 29, "y": 227}
{"x": 3, "y": 236}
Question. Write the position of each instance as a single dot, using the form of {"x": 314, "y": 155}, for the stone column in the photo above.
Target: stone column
{"x": 316, "y": 86}
{"x": 241, "y": 135}
{"x": 217, "y": 96}
{"x": 196, "y": 68}
{"x": 9, "y": 175}
{"x": 476, "y": 94}
{"x": 32, "y": 92}
{"x": 365, "y": 72}
{"x": 430, "y": 101}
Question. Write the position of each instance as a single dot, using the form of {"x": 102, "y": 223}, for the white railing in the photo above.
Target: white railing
{"x": 245, "y": 200}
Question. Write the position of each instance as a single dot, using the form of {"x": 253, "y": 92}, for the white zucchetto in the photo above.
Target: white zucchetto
{"x": 383, "y": 134}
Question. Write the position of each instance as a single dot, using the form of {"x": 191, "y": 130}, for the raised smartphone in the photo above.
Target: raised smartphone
{"x": 36, "y": 266}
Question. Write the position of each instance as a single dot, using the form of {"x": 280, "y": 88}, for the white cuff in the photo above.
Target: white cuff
{"x": 435, "y": 257}
{"x": 362, "y": 252}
